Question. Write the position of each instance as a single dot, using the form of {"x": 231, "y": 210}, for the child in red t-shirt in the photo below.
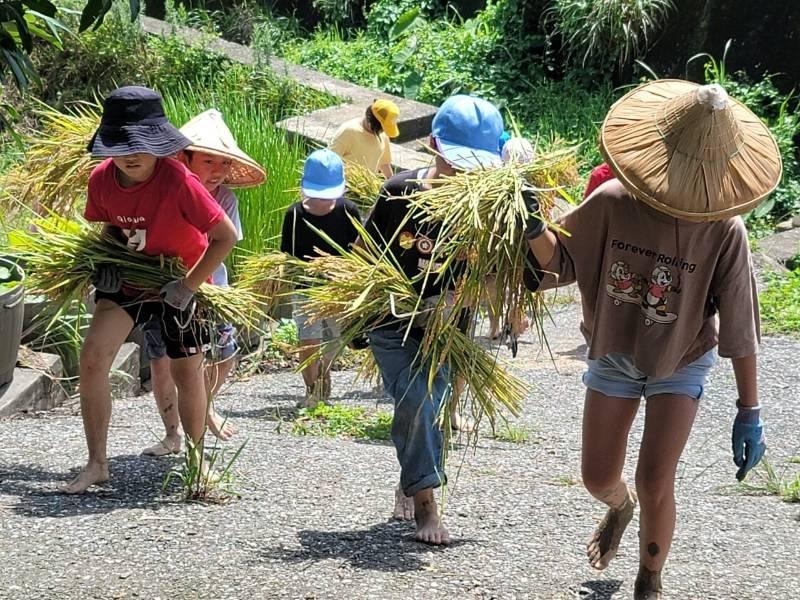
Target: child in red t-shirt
{"x": 158, "y": 207}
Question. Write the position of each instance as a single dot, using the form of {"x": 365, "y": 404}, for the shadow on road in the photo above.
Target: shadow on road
{"x": 599, "y": 589}
{"x": 386, "y": 546}
{"x": 136, "y": 482}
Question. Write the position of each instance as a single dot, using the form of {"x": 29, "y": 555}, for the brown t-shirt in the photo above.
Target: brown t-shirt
{"x": 652, "y": 285}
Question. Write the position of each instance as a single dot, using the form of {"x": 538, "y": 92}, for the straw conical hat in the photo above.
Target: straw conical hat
{"x": 208, "y": 133}
{"x": 690, "y": 151}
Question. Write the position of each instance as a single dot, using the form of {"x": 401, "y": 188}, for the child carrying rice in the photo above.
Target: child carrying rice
{"x": 657, "y": 254}
{"x": 323, "y": 208}
{"x": 465, "y": 135}
{"x": 216, "y": 159}
{"x": 158, "y": 207}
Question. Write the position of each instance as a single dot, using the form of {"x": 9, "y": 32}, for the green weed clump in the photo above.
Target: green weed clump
{"x": 338, "y": 420}
{"x": 768, "y": 482}
{"x": 512, "y": 433}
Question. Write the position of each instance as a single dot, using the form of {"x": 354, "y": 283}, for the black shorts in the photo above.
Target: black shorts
{"x": 183, "y": 334}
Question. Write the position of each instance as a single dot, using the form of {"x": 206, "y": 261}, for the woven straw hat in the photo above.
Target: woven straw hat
{"x": 690, "y": 151}
{"x": 208, "y": 133}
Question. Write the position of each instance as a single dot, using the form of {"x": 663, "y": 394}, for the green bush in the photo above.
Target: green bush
{"x": 445, "y": 58}
{"x": 383, "y": 14}
{"x": 780, "y": 304}
{"x": 609, "y": 33}
{"x": 119, "y": 53}
{"x": 782, "y": 115}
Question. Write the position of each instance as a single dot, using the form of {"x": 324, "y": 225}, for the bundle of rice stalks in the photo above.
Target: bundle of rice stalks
{"x": 479, "y": 217}
{"x": 363, "y": 186}
{"x": 364, "y": 288}
{"x": 61, "y": 256}
{"x": 270, "y": 276}
{"x": 56, "y": 167}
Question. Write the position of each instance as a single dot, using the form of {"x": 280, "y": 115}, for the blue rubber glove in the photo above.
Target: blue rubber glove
{"x": 748, "y": 440}
{"x": 106, "y": 279}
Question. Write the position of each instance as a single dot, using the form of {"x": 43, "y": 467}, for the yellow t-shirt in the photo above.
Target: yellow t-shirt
{"x": 355, "y": 144}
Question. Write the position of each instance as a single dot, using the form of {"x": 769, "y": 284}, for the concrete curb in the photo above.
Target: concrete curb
{"x": 34, "y": 389}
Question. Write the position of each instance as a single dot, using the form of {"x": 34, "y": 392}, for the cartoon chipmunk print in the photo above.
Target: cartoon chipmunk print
{"x": 624, "y": 285}
{"x": 654, "y": 302}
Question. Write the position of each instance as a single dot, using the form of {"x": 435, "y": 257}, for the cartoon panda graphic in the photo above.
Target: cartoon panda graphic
{"x": 623, "y": 285}
{"x": 654, "y": 302}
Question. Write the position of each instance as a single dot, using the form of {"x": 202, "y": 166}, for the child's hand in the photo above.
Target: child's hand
{"x": 748, "y": 440}
{"x": 107, "y": 279}
{"x": 534, "y": 226}
{"x": 176, "y": 294}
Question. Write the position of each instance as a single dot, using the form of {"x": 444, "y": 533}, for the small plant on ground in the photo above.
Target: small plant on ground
{"x": 206, "y": 477}
{"x": 566, "y": 481}
{"x": 338, "y": 420}
{"x": 768, "y": 482}
{"x": 511, "y": 433}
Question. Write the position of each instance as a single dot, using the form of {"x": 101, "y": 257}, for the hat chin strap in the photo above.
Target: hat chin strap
{"x": 713, "y": 96}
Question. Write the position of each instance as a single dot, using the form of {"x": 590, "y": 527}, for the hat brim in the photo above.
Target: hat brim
{"x": 159, "y": 140}
{"x": 390, "y": 127}
{"x": 245, "y": 172}
{"x": 312, "y": 190}
{"x": 466, "y": 158}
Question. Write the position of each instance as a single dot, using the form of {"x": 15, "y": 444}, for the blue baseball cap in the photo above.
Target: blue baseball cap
{"x": 467, "y": 131}
{"x": 323, "y": 175}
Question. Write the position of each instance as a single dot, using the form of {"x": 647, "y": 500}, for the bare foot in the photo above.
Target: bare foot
{"x": 403, "y": 506}
{"x": 648, "y": 585}
{"x": 220, "y": 426}
{"x": 605, "y": 541}
{"x": 91, "y": 474}
{"x": 171, "y": 444}
{"x": 458, "y": 422}
{"x": 429, "y": 526}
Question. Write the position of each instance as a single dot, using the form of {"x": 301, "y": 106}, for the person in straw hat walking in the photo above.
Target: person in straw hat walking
{"x": 219, "y": 163}
{"x": 658, "y": 253}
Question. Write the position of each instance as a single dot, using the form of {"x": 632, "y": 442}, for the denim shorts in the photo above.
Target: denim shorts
{"x": 321, "y": 329}
{"x": 615, "y": 375}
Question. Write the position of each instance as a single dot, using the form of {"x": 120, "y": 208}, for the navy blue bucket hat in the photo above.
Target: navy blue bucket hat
{"x": 133, "y": 121}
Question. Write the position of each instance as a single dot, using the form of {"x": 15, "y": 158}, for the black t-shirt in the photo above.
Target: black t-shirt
{"x": 298, "y": 239}
{"x": 411, "y": 242}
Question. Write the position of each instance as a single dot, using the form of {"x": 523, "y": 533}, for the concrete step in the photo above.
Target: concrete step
{"x": 318, "y": 128}
{"x": 40, "y": 385}
{"x": 34, "y": 388}
{"x": 783, "y": 246}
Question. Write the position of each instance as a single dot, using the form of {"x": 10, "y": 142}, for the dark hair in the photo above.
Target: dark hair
{"x": 372, "y": 121}
{"x": 188, "y": 153}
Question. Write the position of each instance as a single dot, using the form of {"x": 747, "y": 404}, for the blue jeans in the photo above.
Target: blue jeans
{"x": 415, "y": 434}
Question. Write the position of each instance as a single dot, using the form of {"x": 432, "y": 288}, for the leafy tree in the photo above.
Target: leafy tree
{"x": 24, "y": 21}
